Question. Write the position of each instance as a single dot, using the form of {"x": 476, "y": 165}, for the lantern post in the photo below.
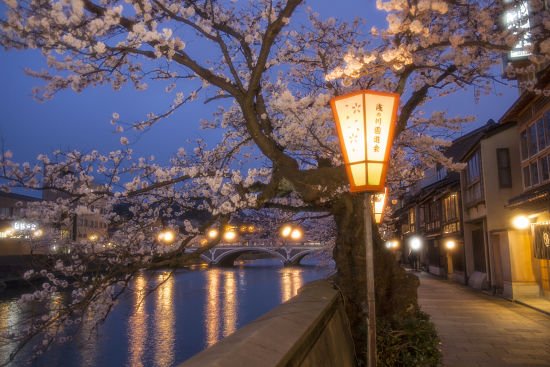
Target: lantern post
{"x": 365, "y": 121}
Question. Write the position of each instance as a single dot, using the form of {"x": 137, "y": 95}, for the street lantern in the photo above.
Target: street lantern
{"x": 213, "y": 233}
{"x": 521, "y": 222}
{"x": 292, "y": 232}
{"x": 230, "y": 234}
{"x": 166, "y": 236}
{"x": 365, "y": 121}
{"x": 450, "y": 244}
{"x": 379, "y": 204}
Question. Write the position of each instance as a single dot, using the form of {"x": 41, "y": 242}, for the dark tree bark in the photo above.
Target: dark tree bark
{"x": 395, "y": 289}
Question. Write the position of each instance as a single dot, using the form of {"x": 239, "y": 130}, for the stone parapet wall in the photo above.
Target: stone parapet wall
{"x": 310, "y": 330}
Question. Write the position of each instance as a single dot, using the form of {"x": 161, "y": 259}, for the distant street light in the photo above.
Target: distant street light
{"x": 292, "y": 232}
{"x": 392, "y": 245}
{"x": 230, "y": 235}
{"x": 213, "y": 233}
{"x": 166, "y": 236}
{"x": 296, "y": 234}
{"x": 365, "y": 121}
{"x": 415, "y": 243}
{"x": 450, "y": 244}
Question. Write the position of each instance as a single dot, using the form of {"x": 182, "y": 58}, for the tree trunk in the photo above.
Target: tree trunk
{"x": 395, "y": 289}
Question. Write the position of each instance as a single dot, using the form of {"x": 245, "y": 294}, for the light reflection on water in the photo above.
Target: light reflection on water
{"x": 188, "y": 312}
{"x": 291, "y": 281}
{"x": 137, "y": 323}
{"x": 9, "y": 318}
{"x": 164, "y": 324}
{"x": 211, "y": 316}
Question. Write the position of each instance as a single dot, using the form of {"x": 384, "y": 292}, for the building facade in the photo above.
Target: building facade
{"x": 531, "y": 207}
{"x": 487, "y": 183}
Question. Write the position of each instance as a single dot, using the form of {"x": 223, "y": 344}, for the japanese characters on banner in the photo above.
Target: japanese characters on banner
{"x": 542, "y": 241}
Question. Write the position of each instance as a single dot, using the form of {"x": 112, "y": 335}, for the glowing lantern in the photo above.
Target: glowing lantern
{"x": 379, "y": 204}
{"x": 230, "y": 235}
{"x": 286, "y": 230}
{"x": 450, "y": 244}
{"x": 166, "y": 236}
{"x": 296, "y": 234}
{"x": 365, "y": 121}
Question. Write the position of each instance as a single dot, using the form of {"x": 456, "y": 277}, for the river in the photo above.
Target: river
{"x": 189, "y": 312}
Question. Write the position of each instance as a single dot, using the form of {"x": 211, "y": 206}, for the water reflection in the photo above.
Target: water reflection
{"x": 88, "y": 340}
{"x": 291, "y": 281}
{"x": 212, "y": 313}
{"x": 9, "y": 318}
{"x": 137, "y": 324}
{"x": 229, "y": 307}
{"x": 164, "y": 321}
{"x": 163, "y": 329}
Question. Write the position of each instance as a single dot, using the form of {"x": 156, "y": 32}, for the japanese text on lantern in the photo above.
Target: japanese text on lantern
{"x": 377, "y": 127}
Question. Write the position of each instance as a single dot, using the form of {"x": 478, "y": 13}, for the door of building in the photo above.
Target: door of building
{"x": 498, "y": 284}
{"x": 479, "y": 250}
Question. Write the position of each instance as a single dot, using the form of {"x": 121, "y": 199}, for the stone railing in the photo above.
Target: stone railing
{"x": 310, "y": 330}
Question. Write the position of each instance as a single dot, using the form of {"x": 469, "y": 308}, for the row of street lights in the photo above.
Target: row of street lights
{"x": 231, "y": 233}
{"x": 415, "y": 244}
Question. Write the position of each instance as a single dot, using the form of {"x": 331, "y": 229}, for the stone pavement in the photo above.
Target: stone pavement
{"x": 478, "y": 330}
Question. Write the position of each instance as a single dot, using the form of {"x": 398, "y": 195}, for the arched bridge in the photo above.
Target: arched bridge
{"x": 225, "y": 255}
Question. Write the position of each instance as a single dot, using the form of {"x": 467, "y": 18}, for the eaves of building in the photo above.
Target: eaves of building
{"x": 536, "y": 199}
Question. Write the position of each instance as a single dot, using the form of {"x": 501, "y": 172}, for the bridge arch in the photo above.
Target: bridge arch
{"x": 227, "y": 258}
{"x": 205, "y": 258}
{"x": 295, "y": 259}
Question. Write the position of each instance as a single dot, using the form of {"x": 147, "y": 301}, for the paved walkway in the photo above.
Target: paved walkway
{"x": 478, "y": 330}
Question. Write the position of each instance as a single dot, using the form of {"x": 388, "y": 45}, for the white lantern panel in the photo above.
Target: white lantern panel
{"x": 379, "y": 202}
{"x": 378, "y": 217}
{"x": 350, "y": 114}
{"x": 358, "y": 173}
{"x": 375, "y": 173}
{"x": 379, "y": 112}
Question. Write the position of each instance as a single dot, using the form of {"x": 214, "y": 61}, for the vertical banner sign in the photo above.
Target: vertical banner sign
{"x": 365, "y": 121}
{"x": 542, "y": 241}
{"x": 516, "y": 19}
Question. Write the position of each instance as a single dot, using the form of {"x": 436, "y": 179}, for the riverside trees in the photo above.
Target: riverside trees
{"x": 275, "y": 65}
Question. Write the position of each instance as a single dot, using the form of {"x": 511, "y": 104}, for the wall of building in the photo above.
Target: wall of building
{"x": 310, "y": 330}
{"x": 496, "y": 197}
{"x": 522, "y": 282}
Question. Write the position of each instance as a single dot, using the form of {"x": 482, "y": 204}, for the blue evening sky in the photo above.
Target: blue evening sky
{"x": 81, "y": 120}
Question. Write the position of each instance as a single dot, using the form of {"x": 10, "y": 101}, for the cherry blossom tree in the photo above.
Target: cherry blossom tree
{"x": 273, "y": 67}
